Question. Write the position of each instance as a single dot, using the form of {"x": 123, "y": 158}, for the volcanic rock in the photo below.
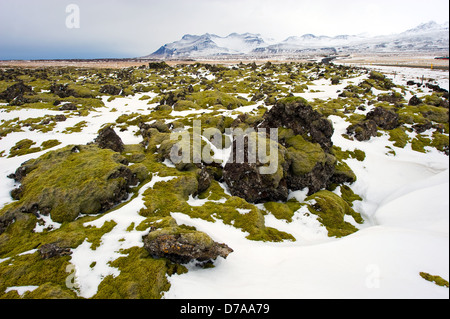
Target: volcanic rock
{"x": 48, "y": 251}
{"x": 107, "y": 138}
{"x": 181, "y": 246}
{"x": 414, "y": 101}
{"x": 363, "y": 131}
{"x": 296, "y": 114}
{"x": 386, "y": 119}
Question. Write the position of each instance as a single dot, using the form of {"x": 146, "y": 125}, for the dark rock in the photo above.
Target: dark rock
{"x": 246, "y": 181}
{"x": 158, "y": 65}
{"x": 393, "y": 98}
{"x": 363, "y": 131}
{"x": 411, "y": 82}
{"x": 62, "y": 90}
{"x": 436, "y": 88}
{"x": 110, "y": 89}
{"x": 204, "y": 179}
{"x": 107, "y": 138}
{"x": 68, "y": 107}
{"x": 414, "y": 101}
{"x": 6, "y": 220}
{"x": 60, "y": 118}
{"x": 384, "y": 118}
{"x": 315, "y": 180}
{"x": 298, "y": 115}
{"x": 420, "y": 128}
{"x": 14, "y": 94}
{"x": 48, "y": 251}
{"x": 183, "y": 247}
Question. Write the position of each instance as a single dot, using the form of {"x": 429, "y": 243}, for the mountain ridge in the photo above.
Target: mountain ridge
{"x": 429, "y": 36}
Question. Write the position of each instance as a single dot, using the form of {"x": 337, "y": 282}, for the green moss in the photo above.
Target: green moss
{"x": 32, "y": 270}
{"x": 70, "y": 183}
{"x": 438, "y": 280}
{"x": 207, "y": 99}
{"x": 141, "y": 277}
{"x": 76, "y": 128}
{"x": 434, "y": 113}
{"x": 303, "y": 154}
{"x": 283, "y": 210}
{"x": 23, "y": 147}
{"x": 398, "y": 136}
{"x": 419, "y": 143}
{"x": 331, "y": 210}
{"x": 49, "y": 144}
{"x": 341, "y": 155}
{"x": 349, "y": 196}
{"x": 440, "y": 142}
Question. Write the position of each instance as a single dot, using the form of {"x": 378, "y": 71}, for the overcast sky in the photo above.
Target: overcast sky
{"x": 37, "y": 29}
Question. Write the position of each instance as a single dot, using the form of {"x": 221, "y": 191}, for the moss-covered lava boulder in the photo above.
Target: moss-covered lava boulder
{"x": 71, "y": 181}
{"x": 181, "y": 245}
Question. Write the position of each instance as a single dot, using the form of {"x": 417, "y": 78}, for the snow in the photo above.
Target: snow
{"x": 405, "y": 205}
{"x": 90, "y": 275}
{"x": 22, "y": 289}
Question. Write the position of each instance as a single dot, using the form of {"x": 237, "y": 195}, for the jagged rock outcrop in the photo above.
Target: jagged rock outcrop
{"x": 296, "y": 114}
{"x": 250, "y": 179}
{"x": 302, "y": 155}
{"x": 386, "y": 119}
{"x": 108, "y": 138}
{"x": 363, "y": 131}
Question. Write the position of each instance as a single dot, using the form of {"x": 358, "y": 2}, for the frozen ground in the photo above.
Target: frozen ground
{"x": 405, "y": 206}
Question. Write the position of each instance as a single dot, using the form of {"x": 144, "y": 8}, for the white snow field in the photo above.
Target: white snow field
{"x": 405, "y": 205}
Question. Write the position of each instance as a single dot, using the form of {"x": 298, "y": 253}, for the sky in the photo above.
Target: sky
{"x": 63, "y": 29}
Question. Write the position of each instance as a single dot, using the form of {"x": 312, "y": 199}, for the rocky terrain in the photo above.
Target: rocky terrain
{"x": 93, "y": 204}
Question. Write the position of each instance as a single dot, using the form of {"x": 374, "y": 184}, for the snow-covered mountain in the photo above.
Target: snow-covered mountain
{"x": 429, "y": 36}
{"x": 211, "y": 45}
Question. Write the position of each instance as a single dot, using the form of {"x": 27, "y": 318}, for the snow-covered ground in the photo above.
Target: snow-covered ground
{"x": 406, "y": 210}
{"x": 405, "y": 206}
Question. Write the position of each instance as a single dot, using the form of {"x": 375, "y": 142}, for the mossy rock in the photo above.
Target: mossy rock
{"x": 141, "y": 277}
{"x": 331, "y": 210}
{"x": 72, "y": 181}
{"x": 303, "y": 154}
{"x": 207, "y": 99}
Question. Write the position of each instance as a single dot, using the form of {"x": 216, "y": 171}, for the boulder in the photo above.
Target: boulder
{"x": 108, "y": 138}
{"x": 110, "y": 89}
{"x": 414, "y": 101}
{"x": 182, "y": 246}
{"x": 48, "y": 251}
{"x": 68, "y": 107}
{"x": 247, "y": 180}
{"x": 204, "y": 179}
{"x": 62, "y": 90}
{"x": 295, "y": 113}
{"x": 363, "y": 131}
{"x": 386, "y": 119}
{"x": 310, "y": 166}
{"x": 71, "y": 181}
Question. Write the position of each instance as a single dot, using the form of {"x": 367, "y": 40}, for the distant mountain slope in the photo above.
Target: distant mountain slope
{"x": 429, "y": 36}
